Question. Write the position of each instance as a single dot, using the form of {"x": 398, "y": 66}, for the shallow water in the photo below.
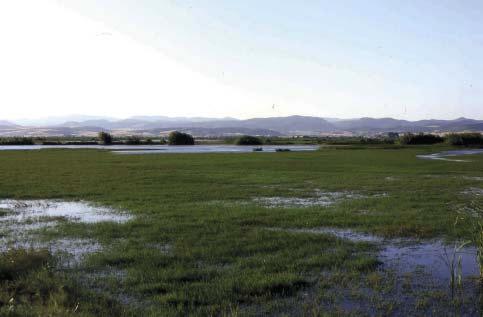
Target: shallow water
{"x": 339, "y": 233}
{"x": 320, "y": 198}
{"x": 22, "y": 218}
{"x": 443, "y": 156}
{"x": 404, "y": 256}
{"x": 23, "y": 210}
{"x": 473, "y": 191}
{"x": 159, "y": 149}
{"x": 71, "y": 251}
{"x": 433, "y": 257}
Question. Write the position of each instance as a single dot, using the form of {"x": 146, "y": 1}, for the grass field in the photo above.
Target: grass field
{"x": 202, "y": 242}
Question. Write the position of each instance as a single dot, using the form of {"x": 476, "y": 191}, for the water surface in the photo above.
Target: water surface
{"x": 157, "y": 149}
{"x": 446, "y": 155}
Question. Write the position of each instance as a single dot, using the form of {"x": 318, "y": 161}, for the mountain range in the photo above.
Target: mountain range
{"x": 274, "y": 126}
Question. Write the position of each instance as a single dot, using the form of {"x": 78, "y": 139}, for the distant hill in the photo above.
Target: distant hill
{"x": 291, "y": 125}
{"x": 371, "y": 124}
{"x": 7, "y": 124}
{"x": 284, "y": 125}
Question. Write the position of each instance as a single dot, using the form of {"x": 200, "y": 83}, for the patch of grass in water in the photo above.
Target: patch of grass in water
{"x": 31, "y": 286}
{"x": 4, "y": 212}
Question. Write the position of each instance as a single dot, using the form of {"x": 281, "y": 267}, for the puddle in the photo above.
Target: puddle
{"x": 432, "y": 257}
{"x": 473, "y": 178}
{"x": 70, "y": 251}
{"x": 443, "y": 156}
{"x": 408, "y": 255}
{"x": 339, "y": 233}
{"x": 321, "y": 198}
{"x": 21, "y": 218}
{"x": 23, "y": 210}
{"x": 473, "y": 191}
{"x": 163, "y": 248}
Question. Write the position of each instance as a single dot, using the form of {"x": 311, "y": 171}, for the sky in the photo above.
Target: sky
{"x": 212, "y": 58}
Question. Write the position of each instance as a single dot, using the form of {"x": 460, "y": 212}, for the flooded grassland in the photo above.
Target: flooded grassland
{"x": 332, "y": 232}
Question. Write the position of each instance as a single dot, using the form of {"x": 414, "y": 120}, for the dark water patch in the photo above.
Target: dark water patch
{"x": 409, "y": 255}
{"x": 413, "y": 279}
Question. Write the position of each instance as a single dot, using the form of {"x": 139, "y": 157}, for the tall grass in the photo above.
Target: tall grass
{"x": 475, "y": 212}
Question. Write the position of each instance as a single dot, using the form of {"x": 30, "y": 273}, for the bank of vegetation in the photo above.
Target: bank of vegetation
{"x": 180, "y": 138}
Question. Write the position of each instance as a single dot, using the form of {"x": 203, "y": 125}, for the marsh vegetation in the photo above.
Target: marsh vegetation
{"x": 340, "y": 231}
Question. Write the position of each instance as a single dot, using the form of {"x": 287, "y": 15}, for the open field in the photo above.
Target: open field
{"x": 241, "y": 234}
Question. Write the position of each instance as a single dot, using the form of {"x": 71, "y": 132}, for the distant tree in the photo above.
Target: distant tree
{"x": 133, "y": 140}
{"x": 465, "y": 139}
{"x": 421, "y": 138}
{"x": 248, "y": 140}
{"x": 180, "y": 138}
{"x": 105, "y": 138}
{"x": 16, "y": 141}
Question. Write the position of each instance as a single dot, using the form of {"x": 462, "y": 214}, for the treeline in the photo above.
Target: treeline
{"x": 465, "y": 139}
{"x": 421, "y": 138}
{"x": 457, "y": 139}
{"x": 179, "y": 138}
{"x": 17, "y": 141}
{"x": 308, "y": 140}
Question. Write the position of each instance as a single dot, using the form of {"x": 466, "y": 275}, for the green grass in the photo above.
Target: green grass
{"x": 199, "y": 245}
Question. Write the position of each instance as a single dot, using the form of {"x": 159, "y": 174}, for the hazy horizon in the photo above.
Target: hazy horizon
{"x": 54, "y": 120}
{"x": 216, "y": 59}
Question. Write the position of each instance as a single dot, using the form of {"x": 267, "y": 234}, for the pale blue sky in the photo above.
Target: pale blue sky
{"x": 405, "y": 59}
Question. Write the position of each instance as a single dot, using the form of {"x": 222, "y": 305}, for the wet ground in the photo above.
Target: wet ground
{"x": 447, "y": 155}
{"x": 414, "y": 278}
{"x": 317, "y": 198}
{"x": 413, "y": 275}
{"x": 20, "y": 220}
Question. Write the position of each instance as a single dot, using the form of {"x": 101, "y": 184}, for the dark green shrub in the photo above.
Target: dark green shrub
{"x": 17, "y": 141}
{"x": 465, "y": 139}
{"x": 421, "y": 138}
{"x": 248, "y": 140}
{"x": 105, "y": 138}
{"x": 180, "y": 138}
{"x": 133, "y": 140}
